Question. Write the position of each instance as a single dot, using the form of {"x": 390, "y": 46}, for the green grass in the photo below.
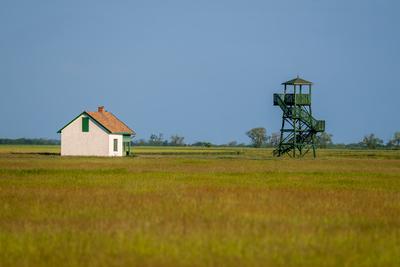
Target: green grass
{"x": 199, "y": 207}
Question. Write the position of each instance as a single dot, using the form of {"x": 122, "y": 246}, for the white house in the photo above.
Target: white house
{"x": 96, "y": 134}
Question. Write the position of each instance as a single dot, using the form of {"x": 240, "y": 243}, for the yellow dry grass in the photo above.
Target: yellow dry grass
{"x": 199, "y": 209}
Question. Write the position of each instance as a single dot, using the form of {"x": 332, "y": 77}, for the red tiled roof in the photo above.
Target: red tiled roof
{"x": 110, "y": 122}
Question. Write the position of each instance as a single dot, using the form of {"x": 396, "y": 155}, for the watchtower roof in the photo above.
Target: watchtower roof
{"x": 297, "y": 81}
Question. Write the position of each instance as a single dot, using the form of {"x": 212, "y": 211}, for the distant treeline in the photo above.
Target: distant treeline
{"x": 143, "y": 142}
{"x": 259, "y": 138}
{"x": 176, "y": 140}
{"x": 28, "y": 141}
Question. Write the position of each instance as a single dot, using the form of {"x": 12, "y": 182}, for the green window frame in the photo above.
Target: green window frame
{"x": 85, "y": 124}
{"x": 115, "y": 145}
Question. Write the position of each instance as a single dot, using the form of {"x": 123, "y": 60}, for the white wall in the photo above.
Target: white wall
{"x": 74, "y": 142}
{"x": 111, "y": 152}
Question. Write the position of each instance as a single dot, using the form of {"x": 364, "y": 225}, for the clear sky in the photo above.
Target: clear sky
{"x": 205, "y": 69}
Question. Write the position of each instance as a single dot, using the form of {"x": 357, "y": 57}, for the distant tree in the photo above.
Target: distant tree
{"x": 395, "y": 141}
{"x": 275, "y": 139}
{"x": 258, "y": 136}
{"x": 177, "y": 140}
{"x": 324, "y": 140}
{"x": 371, "y": 141}
{"x": 232, "y": 143}
{"x": 156, "y": 140}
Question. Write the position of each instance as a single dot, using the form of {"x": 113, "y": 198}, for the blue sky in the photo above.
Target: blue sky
{"x": 202, "y": 69}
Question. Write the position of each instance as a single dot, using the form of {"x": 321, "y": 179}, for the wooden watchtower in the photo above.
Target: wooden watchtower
{"x": 299, "y": 127}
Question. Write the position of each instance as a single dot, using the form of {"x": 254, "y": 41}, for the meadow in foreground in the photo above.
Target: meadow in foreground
{"x": 199, "y": 209}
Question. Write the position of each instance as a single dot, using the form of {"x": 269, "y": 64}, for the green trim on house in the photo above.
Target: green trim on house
{"x": 125, "y": 134}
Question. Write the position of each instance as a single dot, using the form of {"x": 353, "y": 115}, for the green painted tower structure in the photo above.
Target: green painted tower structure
{"x": 299, "y": 127}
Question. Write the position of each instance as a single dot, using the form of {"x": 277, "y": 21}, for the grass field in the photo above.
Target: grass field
{"x": 199, "y": 207}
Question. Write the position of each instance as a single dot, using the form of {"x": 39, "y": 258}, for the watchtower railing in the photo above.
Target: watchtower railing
{"x": 289, "y": 99}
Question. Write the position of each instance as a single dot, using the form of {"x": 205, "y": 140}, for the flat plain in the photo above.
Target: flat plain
{"x": 199, "y": 207}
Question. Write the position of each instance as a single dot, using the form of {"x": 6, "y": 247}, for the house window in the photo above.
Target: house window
{"x": 115, "y": 145}
{"x": 85, "y": 124}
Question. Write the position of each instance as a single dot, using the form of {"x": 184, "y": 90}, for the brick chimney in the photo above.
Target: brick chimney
{"x": 100, "y": 109}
